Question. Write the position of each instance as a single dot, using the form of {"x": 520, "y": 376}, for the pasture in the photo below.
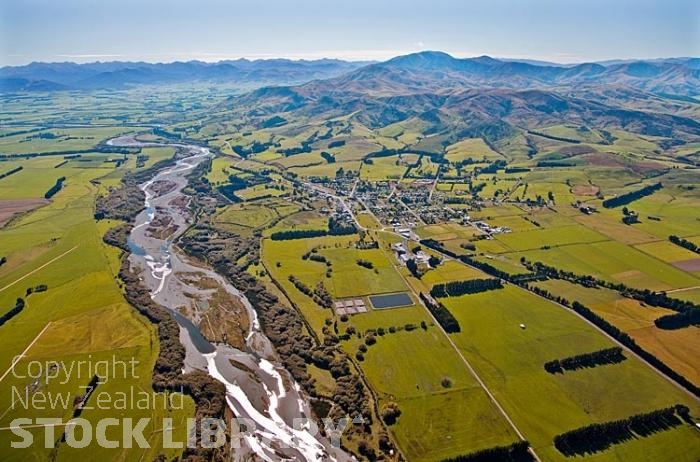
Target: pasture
{"x": 675, "y": 348}
{"x": 614, "y": 261}
{"x": 83, "y": 312}
{"x": 510, "y": 361}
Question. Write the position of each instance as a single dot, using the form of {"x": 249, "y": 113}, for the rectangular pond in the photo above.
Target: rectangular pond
{"x": 380, "y": 302}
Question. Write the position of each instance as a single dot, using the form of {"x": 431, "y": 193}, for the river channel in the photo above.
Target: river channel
{"x": 258, "y": 387}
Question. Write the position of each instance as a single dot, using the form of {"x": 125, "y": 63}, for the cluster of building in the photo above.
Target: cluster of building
{"x": 404, "y": 254}
{"x": 490, "y": 230}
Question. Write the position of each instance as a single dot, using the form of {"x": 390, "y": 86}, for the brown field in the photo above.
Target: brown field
{"x": 11, "y": 207}
{"x": 576, "y": 150}
{"x": 585, "y": 190}
{"x": 605, "y": 159}
{"x": 677, "y": 348}
{"x": 691, "y": 265}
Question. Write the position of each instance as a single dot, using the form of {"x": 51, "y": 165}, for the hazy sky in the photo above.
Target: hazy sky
{"x": 210, "y": 30}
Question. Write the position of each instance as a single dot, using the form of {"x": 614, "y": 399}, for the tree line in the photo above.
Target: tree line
{"x": 685, "y": 243}
{"x": 14, "y": 311}
{"x": 297, "y": 234}
{"x": 483, "y": 266}
{"x": 542, "y": 271}
{"x": 687, "y": 313}
{"x": 555, "y": 138}
{"x": 600, "y": 436}
{"x": 596, "y": 358}
{"x": 335, "y": 228}
{"x": 624, "y": 199}
{"x": 11, "y": 172}
{"x": 629, "y": 342}
{"x": 617, "y": 334}
{"x": 471, "y": 286}
{"x": 443, "y": 316}
{"x": 339, "y": 228}
{"x": 55, "y": 188}
{"x": 208, "y": 394}
{"x": 296, "y": 342}
{"x": 36, "y": 289}
{"x": 516, "y": 452}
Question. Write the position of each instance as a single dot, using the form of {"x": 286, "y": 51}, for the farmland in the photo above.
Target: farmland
{"x": 82, "y": 315}
{"x": 337, "y": 224}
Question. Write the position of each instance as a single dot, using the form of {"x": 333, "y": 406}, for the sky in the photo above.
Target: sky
{"x": 562, "y": 31}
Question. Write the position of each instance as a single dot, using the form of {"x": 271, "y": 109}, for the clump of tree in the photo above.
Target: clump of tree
{"x": 14, "y": 311}
{"x": 318, "y": 258}
{"x": 3, "y": 260}
{"x": 390, "y": 412}
{"x": 55, "y": 188}
{"x": 365, "y": 263}
{"x": 472, "y": 286}
{"x": 336, "y": 144}
{"x": 680, "y": 320}
{"x": 339, "y": 228}
{"x": 254, "y": 148}
{"x": 328, "y": 157}
{"x": 685, "y": 243}
{"x": 624, "y": 199}
{"x": 118, "y": 236}
{"x": 468, "y": 246}
{"x": 596, "y": 358}
{"x": 600, "y": 436}
{"x": 36, "y": 289}
{"x": 443, "y": 316}
{"x": 320, "y": 294}
{"x": 122, "y": 203}
{"x": 516, "y": 452}
{"x": 413, "y": 268}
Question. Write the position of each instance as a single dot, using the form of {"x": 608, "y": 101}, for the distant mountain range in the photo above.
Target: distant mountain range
{"x": 427, "y": 71}
{"x": 434, "y": 71}
{"x": 455, "y": 98}
{"x": 491, "y": 98}
{"x": 120, "y": 75}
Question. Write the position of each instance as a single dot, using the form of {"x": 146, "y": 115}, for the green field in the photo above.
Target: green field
{"x": 83, "y": 312}
{"x": 510, "y": 360}
{"x": 617, "y": 262}
{"x": 445, "y": 410}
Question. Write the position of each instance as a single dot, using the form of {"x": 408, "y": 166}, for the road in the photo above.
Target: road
{"x": 682, "y": 290}
{"x": 19, "y": 357}
{"x": 347, "y": 208}
{"x": 613, "y": 339}
{"x": 39, "y": 268}
{"x": 470, "y": 368}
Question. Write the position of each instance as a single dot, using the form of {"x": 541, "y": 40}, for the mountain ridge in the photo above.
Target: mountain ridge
{"x": 670, "y": 75}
